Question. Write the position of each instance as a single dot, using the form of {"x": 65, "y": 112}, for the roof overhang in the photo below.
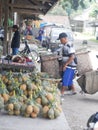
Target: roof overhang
{"x": 32, "y": 7}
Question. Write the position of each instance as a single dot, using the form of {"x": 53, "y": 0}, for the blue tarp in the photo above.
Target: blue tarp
{"x": 42, "y": 25}
{"x": 46, "y": 24}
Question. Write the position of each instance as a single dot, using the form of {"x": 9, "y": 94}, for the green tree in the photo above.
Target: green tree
{"x": 75, "y": 4}
{"x": 57, "y": 10}
{"x": 67, "y": 6}
{"x": 94, "y": 11}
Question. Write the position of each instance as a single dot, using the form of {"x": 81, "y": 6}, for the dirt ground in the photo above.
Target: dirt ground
{"x": 78, "y": 108}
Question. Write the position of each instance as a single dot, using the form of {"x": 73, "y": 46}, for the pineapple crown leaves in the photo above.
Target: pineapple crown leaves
{"x": 12, "y": 99}
{"x": 31, "y": 96}
{"x": 20, "y": 74}
{"x": 3, "y": 88}
{"x": 15, "y": 84}
{"x": 30, "y": 102}
{"x": 52, "y": 104}
{"x": 39, "y": 88}
{"x": 35, "y": 95}
{"x": 42, "y": 93}
{"x": 2, "y": 84}
{"x": 18, "y": 91}
{"x": 28, "y": 81}
{"x": 9, "y": 75}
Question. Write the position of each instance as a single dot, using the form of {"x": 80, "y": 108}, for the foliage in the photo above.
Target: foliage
{"x": 58, "y": 10}
{"x": 75, "y": 4}
{"x": 94, "y": 11}
{"x": 71, "y": 7}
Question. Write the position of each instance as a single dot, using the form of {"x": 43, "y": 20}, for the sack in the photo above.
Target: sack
{"x": 92, "y": 119}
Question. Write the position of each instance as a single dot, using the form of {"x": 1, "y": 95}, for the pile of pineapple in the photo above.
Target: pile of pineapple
{"x": 29, "y": 95}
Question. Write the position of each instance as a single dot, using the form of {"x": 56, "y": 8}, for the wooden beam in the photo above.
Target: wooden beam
{"x": 44, "y": 0}
{"x": 33, "y": 2}
{"x": 28, "y": 6}
{"x": 28, "y": 11}
{"x": 40, "y": 1}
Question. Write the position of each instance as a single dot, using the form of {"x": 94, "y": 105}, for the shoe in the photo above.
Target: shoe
{"x": 62, "y": 95}
{"x": 62, "y": 99}
{"x": 73, "y": 93}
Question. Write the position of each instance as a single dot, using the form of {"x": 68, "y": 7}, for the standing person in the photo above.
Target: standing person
{"x": 28, "y": 31}
{"x": 15, "y": 44}
{"x": 40, "y": 34}
{"x": 69, "y": 63}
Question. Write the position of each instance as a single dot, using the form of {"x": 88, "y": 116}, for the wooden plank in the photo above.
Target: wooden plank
{"x": 16, "y": 66}
{"x": 21, "y": 11}
{"x": 44, "y": 0}
{"x": 27, "y": 6}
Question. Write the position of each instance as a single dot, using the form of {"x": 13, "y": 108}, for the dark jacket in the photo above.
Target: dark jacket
{"x": 16, "y": 40}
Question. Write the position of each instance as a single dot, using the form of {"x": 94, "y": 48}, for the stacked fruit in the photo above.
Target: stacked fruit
{"x": 29, "y": 95}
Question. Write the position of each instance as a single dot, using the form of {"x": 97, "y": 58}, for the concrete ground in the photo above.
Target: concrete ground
{"x": 78, "y": 108}
{"x": 22, "y": 123}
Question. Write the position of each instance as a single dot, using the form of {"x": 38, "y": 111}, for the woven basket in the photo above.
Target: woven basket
{"x": 87, "y": 61}
{"x": 50, "y": 64}
{"x": 89, "y": 82}
{"x": 84, "y": 63}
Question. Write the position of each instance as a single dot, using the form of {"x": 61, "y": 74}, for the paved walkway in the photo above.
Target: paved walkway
{"x": 21, "y": 123}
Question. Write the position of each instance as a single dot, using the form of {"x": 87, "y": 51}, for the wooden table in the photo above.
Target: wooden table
{"x": 9, "y": 65}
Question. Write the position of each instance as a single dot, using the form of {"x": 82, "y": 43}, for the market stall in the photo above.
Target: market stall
{"x": 24, "y": 91}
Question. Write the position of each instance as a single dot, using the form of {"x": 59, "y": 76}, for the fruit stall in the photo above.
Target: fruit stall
{"x": 26, "y": 93}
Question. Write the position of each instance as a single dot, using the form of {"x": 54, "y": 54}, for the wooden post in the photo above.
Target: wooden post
{"x": 10, "y": 32}
{"x": 6, "y": 13}
{"x": 0, "y": 12}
